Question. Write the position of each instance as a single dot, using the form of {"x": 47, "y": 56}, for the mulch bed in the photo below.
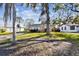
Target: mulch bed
{"x": 38, "y": 48}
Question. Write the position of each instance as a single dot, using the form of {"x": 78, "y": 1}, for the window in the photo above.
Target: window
{"x": 77, "y": 26}
{"x": 64, "y": 28}
{"x": 72, "y": 27}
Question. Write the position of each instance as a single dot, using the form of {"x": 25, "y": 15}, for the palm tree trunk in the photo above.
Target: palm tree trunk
{"x": 14, "y": 19}
{"x": 48, "y": 19}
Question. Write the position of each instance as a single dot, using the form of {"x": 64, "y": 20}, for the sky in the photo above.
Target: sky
{"x": 25, "y": 13}
{"x": 28, "y": 13}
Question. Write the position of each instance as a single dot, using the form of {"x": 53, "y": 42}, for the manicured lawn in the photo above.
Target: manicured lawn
{"x": 54, "y": 35}
{"x": 5, "y": 33}
{"x": 68, "y": 36}
{"x": 31, "y": 35}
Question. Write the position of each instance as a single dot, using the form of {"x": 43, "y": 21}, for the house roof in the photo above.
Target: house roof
{"x": 35, "y": 24}
{"x": 71, "y": 24}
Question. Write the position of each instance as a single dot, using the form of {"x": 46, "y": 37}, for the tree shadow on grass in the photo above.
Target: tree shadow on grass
{"x": 38, "y": 38}
{"x": 6, "y": 50}
{"x": 32, "y": 39}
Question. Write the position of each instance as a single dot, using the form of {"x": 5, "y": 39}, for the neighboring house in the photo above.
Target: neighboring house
{"x": 36, "y": 27}
{"x": 69, "y": 28}
{"x": 39, "y": 27}
{"x": 10, "y": 28}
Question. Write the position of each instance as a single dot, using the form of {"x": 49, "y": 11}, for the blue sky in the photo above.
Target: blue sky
{"x": 28, "y": 13}
{"x": 25, "y": 13}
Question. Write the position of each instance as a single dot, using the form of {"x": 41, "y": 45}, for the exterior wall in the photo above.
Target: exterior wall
{"x": 68, "y": 29}
{"x": 71, "y": 30}
{"x": 63, "y": 28}
{"x": 17, "y": 29}
{"x": 77, "y": 28}
{"x": 35, "y": 27}
{"x": 9, "y": 30}
{"x": 40, "y": 27}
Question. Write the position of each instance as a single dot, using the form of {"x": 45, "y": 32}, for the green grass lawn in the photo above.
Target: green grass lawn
{"x": 31, "y": 35}
{"x": 68, "y": 36}
{"x": 5, "y": 33}
{"x": 54, "y": 35}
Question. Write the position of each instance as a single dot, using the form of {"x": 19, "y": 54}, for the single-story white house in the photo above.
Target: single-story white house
{"x": 35, "y": 26}
{"x": 69, "y": 28}
{"x": 10, "y": 28}
{"x": 39, "y": 27}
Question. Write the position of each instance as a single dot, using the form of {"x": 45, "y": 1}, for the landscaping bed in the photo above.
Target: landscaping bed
{"x": 31, "y": 45}
{"x": 56, "y": 48}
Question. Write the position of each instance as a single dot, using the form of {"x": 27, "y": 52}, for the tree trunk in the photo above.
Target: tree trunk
{"x": 48, "y": 19}
{"x": 5, "y": 17}
{"x": 14, "y": 19}
{"x": 5, "y": 24}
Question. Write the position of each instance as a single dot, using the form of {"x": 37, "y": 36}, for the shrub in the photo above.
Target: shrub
{"x": 26, "y": 31}
{"x": 2, "y": 30}
{"x": 35, "y": 30}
